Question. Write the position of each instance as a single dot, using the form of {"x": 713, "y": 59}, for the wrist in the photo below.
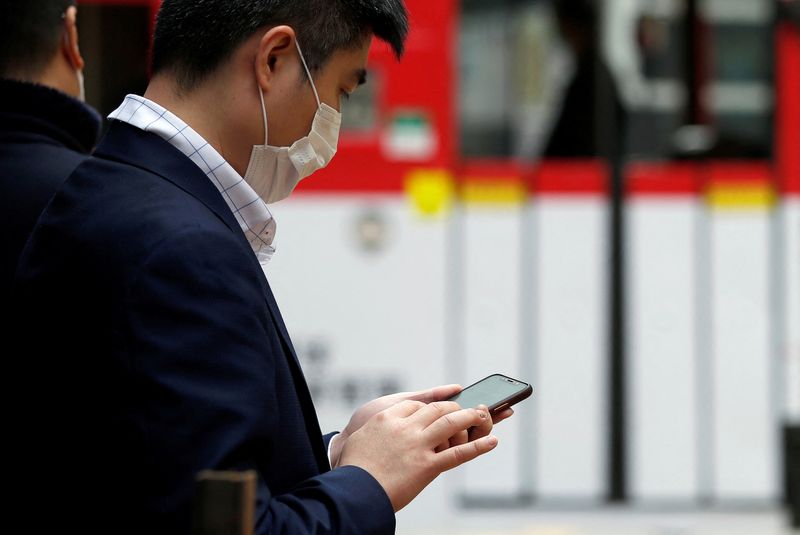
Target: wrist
{"x": 335, "y": 449}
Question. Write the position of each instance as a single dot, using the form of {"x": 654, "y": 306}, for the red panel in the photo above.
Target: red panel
{"x": 356, "y": 175}
{"x": 663, "y": 179}
{"x": 571, "y": 177}
{"x": 744, "y": 173}
{"x": 788, "y": 116}
{"x": 505, "y": 170}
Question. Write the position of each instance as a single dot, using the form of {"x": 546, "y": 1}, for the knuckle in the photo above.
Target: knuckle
{"x": 449, "y": 420}
{"x": 412, "y": 404}
{"x": 439, "y": 407}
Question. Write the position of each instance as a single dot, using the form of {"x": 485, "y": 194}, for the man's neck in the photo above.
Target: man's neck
{"x": 55, "y": 76}
{"x": 202, "y": 110}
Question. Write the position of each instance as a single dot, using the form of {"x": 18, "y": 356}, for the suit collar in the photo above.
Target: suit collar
{"x": 250, "y": 210}
{"x": 130, "y": 145}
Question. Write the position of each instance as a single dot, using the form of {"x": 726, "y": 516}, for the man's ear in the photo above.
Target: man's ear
{"x": 275, "y": 52}
{"x": 69, "y": 45}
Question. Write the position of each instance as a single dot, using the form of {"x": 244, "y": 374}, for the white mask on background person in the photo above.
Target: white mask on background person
{"x": 274, "y": 172}
{"x": 78, "y": 72}
{"x": 81, "y": 86}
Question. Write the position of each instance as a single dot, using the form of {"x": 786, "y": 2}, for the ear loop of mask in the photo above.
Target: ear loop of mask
{"x": 264, "y": 114}
{"x": 261, "y": 93}
{"x": 308, "y": 72}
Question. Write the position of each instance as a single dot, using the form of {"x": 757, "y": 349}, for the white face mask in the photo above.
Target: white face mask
{"x": 274, "y": 172}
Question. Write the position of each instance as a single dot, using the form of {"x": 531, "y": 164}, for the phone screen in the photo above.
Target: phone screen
{"x": 492, "y": 392}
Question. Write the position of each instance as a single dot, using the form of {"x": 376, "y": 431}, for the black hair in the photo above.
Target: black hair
{"x": 30, "y": 34}
{"x": 193, "y": 37}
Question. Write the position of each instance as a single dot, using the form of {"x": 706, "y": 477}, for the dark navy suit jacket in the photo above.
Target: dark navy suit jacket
{"x": 44, "y": 136}
{"x": 153, "y": 348}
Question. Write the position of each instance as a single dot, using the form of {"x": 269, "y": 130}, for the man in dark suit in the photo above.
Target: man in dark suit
{"x": 45, "y": 128}
{"x": 151, "y": 346}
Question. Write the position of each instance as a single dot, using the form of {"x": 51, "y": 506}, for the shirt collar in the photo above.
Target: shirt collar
{"x": 252, "y": 213}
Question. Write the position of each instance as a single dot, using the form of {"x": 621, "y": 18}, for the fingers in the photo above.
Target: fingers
{"x": 452, "y": 457}
{"x": 502, "y": 415}
{"x": 395, "y": 398}
{"x": 404, "y": 409}
{"x": 482, "y": 429}
{"x": 439, "y": 393}
{"x": 433, "y": 411}
{"x": 450, "y": 424}
{"x": 462, "y": 437}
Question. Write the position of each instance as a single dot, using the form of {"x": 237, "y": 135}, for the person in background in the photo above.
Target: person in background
{"x": 592, "y": 117}
{"x": 46, "y": 130}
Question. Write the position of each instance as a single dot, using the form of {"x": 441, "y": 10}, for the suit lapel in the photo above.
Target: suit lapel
{"x": 307, "y": 404}
{"x": 132, "y": 146}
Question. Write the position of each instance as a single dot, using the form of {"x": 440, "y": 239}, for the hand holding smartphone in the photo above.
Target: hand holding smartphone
{"x": 497, "y": 392}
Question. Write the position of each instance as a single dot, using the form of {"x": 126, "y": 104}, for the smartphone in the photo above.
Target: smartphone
{"x": 497, "y": 392}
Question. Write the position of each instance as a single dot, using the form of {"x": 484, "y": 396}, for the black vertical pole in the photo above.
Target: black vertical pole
{"x": 610, "y": 142}
{"x": 617, "y": 369}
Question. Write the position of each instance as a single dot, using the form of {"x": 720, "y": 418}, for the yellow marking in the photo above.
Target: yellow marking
{"x": 493, "y": 191}
{"x": 726, "y": 197}
{"x": 430, "y": 190}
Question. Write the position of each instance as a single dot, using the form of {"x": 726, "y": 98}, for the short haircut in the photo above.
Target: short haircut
{"x": 194, "y": 37}
{"x": 30, "y": 34}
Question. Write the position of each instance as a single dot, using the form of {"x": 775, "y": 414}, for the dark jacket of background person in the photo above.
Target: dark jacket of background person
{"x": 44, "y": 135}
{"x": 45, "y": 129}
